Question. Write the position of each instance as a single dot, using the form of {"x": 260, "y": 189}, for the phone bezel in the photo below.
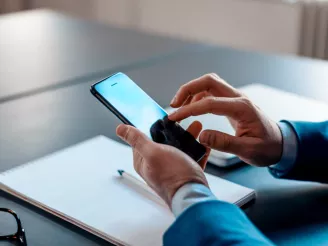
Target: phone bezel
{"x": 106, "y": 103}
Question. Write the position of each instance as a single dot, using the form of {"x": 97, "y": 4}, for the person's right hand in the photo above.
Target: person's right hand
{"x": 258, "y": 139}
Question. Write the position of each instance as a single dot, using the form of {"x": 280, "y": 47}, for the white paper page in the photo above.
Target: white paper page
{"x": 277, "y": 104}
{"x": 82, "y": 182}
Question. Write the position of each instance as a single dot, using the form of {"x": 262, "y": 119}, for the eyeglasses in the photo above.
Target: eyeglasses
{"x": 11, "y": 227}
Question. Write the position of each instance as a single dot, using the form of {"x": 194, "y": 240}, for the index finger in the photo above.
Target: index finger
{"x": 230, "y": 107}
{"x": 211, "y": 83}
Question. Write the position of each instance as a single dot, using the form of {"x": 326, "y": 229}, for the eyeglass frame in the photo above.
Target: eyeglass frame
{"x": 20, "y": 234}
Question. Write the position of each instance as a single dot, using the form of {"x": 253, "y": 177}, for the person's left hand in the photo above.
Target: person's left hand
{"x": 164, "y": 168}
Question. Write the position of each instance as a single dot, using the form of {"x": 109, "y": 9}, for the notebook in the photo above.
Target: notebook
{"x": 81, "y": 185}
{"x": 277, "y": 104}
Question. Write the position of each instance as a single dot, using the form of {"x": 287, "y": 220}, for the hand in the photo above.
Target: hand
{"x": 164, "y": 168}
{"x": 258, "y": 139}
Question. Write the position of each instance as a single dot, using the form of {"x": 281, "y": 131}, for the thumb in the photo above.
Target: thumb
{"x": 135, "y": 138}
{"x": 221, "y": 141}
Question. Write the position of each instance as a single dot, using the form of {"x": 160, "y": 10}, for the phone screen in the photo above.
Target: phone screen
{"x": 131, "y": 101}
{"x": 133, "y": 106}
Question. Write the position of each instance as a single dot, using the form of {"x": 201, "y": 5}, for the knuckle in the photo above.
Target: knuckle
{"x": 185, "y": 89}
{"x": 134, "y": 141}
{"x": 226, "y": 142}
{"x": 182, "y": 87}
{"x": 219, "y": 141}
{"x": 213, "y": 140}
{"x": 245, "y": 100}
{"x": 126, "y": 133}
{"x": 192, "y": 111}
{"x": 213, "y": 80}
{"x": 244, "y": 106}
{"x": 211, "y": 104}
{"x": 212, "y": 76}
{"x": 210, "y": 139}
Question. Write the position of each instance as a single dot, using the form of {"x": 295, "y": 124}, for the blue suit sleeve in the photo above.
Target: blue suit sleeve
{"x": 289, "y": 152}
{"x": 213, "y": 223}
{"x": 311, "y": 163}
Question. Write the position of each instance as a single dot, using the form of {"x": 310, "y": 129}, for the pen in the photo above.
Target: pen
{"x": 145, "y": 187}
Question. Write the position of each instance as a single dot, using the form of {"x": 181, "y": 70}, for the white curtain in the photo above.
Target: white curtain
{"x": 314, "y": 36}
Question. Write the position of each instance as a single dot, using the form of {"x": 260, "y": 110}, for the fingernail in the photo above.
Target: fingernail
{"x": 120, "y": 130}
{"x": 172, "y": 114}
{"x": 173, "y": 101}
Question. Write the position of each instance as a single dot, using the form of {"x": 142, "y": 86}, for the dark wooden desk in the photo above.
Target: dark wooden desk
{"x": 290, "y": 213}
{"x": 42, "y": 50}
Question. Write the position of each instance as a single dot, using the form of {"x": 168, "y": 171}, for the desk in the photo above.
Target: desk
{"x": 42, "y": 50}
{"x": 288, "y": 212}
{"x": 31, "y": 127}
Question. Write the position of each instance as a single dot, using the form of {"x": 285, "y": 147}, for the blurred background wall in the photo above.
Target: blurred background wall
{"x": 276, "y": 26}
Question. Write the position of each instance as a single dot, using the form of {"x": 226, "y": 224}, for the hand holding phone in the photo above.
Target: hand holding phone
{"x": 134, "y": 107}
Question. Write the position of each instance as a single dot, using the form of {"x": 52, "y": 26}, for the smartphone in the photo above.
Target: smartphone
{"x": 134, "y": 107}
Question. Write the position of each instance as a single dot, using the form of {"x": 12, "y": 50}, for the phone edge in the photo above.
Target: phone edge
{"x": 118, "y": 114}
{"x": 106, "y": 103}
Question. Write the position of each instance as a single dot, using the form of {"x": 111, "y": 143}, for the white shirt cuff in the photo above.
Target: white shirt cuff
{"x": 188, "y": 195}
{"x": 289, "y": 153}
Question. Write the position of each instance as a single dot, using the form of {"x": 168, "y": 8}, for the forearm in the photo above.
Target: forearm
{"x": 309, "y": 155}
{"x": 204, "y": 220}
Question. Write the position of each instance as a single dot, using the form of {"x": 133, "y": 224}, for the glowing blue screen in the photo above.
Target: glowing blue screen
{"x": 131, "y": 101}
